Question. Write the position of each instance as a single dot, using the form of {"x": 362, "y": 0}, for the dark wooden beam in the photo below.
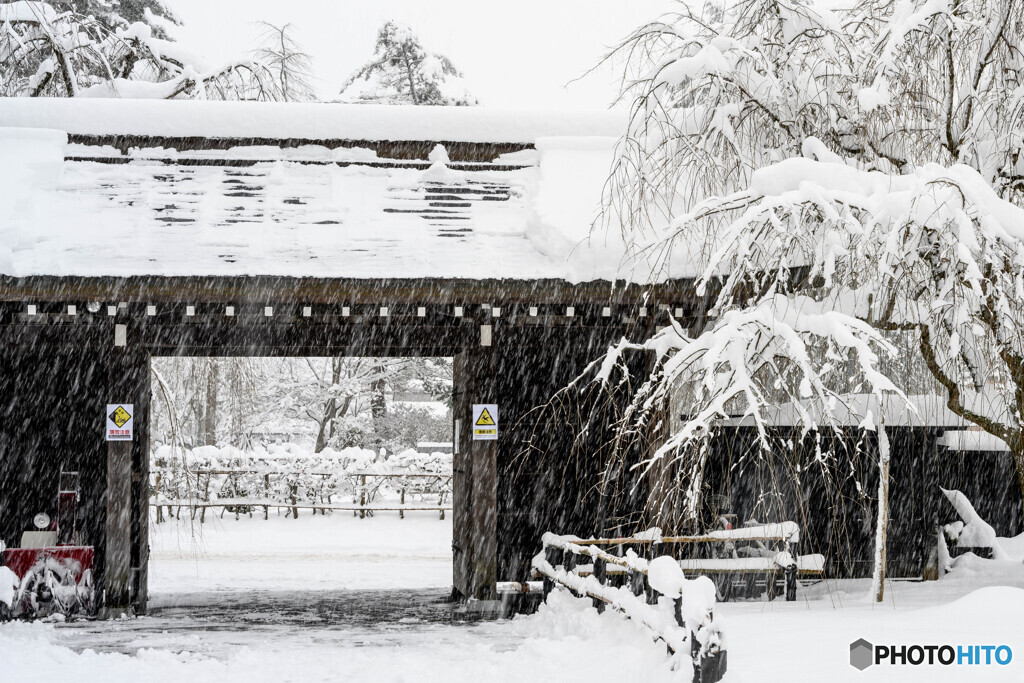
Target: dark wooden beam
{"x": 385, "y": 149}
{"x": 336, "y": 291}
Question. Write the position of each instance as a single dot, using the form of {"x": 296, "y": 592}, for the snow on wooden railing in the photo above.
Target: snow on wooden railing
{"x": 364, "y": 486}
{"x": 785, "y": 561}
{"x": 677, "y": 611}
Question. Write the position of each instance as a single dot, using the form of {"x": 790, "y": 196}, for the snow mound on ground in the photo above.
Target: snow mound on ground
{"x": 626, "y": 645}
{"x": 980, "y": 605}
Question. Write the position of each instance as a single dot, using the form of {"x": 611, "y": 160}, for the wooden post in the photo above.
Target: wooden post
{"x": 485, "y": 518}
{"x": 476, "y": 471}
{"x": 156, "y": 496}
{"x": 677, "y": 610}
{"x": 140, "y": 486}
{"x": 266, "y": 493}
{"x": 401, "y": 513}
{"x": 931, "y": 457}
{"x": 362, "y": 498}
{"x": 601, "y": 574}
{"x": 553, "y": 557}
{"x": 118, "y": 543}
{"x": 652, "y": 595}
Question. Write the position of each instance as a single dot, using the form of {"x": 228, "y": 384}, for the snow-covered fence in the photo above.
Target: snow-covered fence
{"x": 655, "y": 593}
{"x": 290, "y": 479}
{"x": 740, "y": 561}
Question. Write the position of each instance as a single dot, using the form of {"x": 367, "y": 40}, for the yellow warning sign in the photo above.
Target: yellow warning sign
{"x": 120, "y": 423}
{"x": 120, "y": 417}
{"x": 485, "y": 422}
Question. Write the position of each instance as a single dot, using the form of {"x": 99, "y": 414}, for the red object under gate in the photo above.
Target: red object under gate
{"x": 76, "y": 558}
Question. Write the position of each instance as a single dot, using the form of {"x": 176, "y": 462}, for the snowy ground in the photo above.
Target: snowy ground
{"x": 339, "y": 599}
{"x": 311, "y": 553}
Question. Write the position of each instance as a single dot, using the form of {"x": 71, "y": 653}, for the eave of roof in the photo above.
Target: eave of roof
{"x": 184, "y": 119}
{"x": 307, "y": 290}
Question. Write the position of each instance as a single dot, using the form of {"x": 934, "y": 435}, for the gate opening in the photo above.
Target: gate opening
{"x": 299, "y": 474}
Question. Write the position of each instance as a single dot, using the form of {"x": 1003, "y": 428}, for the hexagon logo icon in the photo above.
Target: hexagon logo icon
{"x": 861, "y": 654}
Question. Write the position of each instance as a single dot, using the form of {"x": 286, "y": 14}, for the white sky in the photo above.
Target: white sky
{"x": 519, "y": 54}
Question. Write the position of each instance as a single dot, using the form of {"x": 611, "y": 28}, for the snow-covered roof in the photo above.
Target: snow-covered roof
{"x": 929, "y": 410}
{"x": 89, "y": 209}
{"x": 304, "y": 121}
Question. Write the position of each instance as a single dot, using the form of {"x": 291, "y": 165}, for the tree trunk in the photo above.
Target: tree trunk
{"x": 378, "y": 401}
{"x": 237, "y": 439}
{"x": 1017, "y": 454}
{"x": 321, "y": 435}
{"x": 878, "y": 576}
{"x": 210, "y": 419}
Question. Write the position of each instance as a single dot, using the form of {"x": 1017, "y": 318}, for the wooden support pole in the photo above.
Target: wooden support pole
{"x": 601, "y": 574}
{"x": 485, "y": 519}
{"x": 140, "y": 486}
{"x": 553, "y": 557}
{"x": 478, "y": 375}
{"x": 118, "y": 542}
{"x": 362, "y": 497}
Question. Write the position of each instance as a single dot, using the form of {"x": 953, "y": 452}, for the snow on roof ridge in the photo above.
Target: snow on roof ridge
{"x": 310, "y": 121}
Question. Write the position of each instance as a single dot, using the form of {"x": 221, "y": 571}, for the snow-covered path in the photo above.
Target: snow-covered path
{"x": 341, "y": 599}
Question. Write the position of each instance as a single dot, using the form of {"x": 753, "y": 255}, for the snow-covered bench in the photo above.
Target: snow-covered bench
{"x": 770, "y": 570}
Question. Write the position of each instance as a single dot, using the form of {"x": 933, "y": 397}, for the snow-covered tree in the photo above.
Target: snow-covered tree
{"x": 114, "y": 14}
{"x": 402, "y": 71}
{"x": 834, "y": 178}
{"x": 45, "y": 52}
{"x": 291, "y": 67}
{"x": 330, "y": 401}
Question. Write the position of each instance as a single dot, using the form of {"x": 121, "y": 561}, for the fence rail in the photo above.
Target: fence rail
{"x": 296, "y": 492}
{"x": 640, "y": 588}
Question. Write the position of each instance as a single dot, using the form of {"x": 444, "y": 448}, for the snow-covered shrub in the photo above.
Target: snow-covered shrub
{"x": 973, "y": 531}
{"x": 288, "y": 474}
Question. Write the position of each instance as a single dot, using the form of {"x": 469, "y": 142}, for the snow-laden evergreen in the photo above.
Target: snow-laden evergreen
{"x": 48, "y": 51}
{"x": 402, "y": 71}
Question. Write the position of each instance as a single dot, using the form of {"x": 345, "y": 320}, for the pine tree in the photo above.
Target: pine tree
{"x": 403, "y": 72}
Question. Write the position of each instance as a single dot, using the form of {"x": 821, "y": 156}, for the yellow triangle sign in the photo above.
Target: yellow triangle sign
{"x": 120, "y": 417}
{"x": 485, "y": 419}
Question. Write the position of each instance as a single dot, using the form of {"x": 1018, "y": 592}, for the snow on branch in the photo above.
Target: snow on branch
{"x": 46, "y": 53}
{"x": 842, "y": 178}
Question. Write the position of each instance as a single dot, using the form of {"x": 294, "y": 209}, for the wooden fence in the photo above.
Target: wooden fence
{"x": 627, "y": 583}
{"x": 363, "y": 487}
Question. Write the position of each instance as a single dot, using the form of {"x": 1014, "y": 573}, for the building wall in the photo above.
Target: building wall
{"x": 52, "y": 400}
{"x": 835, "y": 504}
